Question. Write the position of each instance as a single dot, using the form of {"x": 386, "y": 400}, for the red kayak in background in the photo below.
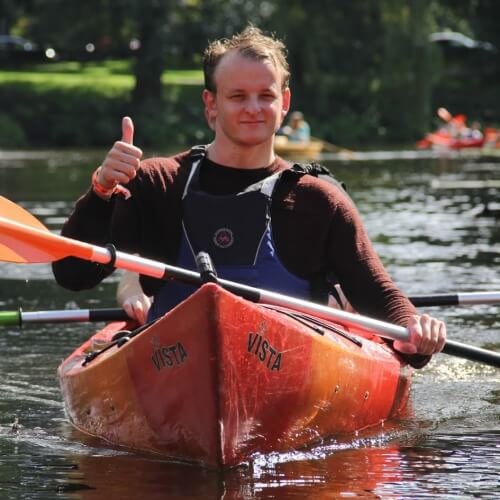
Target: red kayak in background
{"x": 442, "y": 139}
{"x": 455, "y": 134}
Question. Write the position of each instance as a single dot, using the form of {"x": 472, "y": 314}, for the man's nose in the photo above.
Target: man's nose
{"x": 252, "y": 104}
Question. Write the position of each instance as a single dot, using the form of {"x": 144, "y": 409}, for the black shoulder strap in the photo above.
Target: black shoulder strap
{"x": 198, "y": 152}
{"x": 317, "y": 170}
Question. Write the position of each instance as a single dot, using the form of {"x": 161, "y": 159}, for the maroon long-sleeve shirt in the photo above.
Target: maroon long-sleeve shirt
{"x": 316, "y": 229}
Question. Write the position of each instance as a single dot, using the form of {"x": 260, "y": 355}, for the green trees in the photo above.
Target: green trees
{"x": 364, "y": 71}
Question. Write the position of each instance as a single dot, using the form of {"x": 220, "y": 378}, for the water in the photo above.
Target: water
{"x": 431, "y": 241}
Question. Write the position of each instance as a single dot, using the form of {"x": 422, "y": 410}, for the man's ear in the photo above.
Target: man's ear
{"x": 210, "y": 106}
{"x": 287, "y": 99}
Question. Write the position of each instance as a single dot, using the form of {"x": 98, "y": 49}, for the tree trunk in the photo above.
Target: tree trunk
{"x": 151, "y": 61}
{"x": 422, "y": 83}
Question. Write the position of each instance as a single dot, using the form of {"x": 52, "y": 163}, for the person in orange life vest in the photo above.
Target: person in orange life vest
{"x": 163, "y": 208}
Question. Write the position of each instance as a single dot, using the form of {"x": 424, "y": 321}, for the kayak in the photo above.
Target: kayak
{"x": 300, "y": 150}
{"x": 219, "y": 380}
{"x": 446, "y": 141}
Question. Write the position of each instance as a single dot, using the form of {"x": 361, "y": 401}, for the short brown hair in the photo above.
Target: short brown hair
{"x": 251, "y": 43}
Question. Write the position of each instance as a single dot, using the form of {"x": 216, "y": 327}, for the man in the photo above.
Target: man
{"x": 263, "y": 223}
{"x": 297, "y": 130}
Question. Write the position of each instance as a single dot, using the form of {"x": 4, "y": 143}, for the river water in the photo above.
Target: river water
{"x": 431, "y": 240}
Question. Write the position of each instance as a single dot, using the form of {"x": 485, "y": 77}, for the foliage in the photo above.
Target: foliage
{"x": 363, "y": 71}
{"x": 69, "y": 26}
{"x": 469, "y": 77}
{"x": 85, "y": 108}
{"x": 11, "y": 133}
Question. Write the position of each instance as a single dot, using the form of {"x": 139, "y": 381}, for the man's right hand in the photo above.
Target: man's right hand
{"x": 137, "y": 307}
{"x": 130, "y": 296}
{"x": 122, "y": 160}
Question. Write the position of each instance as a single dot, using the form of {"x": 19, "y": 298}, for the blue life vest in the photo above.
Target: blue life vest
{"x": 236, "y": 231}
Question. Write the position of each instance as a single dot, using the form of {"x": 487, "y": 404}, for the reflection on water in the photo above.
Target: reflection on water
{"x": 416, "y": 466}
{"x": 431, "y": 241}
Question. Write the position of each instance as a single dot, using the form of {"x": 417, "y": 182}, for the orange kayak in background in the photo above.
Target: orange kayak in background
{"x": 446, "y": 141}
{"x": 220, "y": 379}
{"x": 457, "y": 135}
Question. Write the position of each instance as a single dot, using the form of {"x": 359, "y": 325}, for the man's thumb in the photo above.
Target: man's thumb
{"x": 127, "y": 130}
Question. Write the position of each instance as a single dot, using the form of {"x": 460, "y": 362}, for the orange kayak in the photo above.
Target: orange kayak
{"x": 219, "y": 379}
{"x": 443, "y": 140}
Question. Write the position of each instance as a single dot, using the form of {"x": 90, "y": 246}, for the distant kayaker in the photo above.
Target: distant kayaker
{"x": 456, "y": 126}
{"x": 297, "y": 129}
{"x": 264, "y": 223}
{"x": 474, "y": 131}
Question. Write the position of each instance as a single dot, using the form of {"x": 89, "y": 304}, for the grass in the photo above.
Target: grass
{"x": 109, "y": 76}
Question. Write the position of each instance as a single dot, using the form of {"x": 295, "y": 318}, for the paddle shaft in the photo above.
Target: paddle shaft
{"x": 55, "y": 247}
{"x": 386, "y": 330}
{"x": 457, "y": 299}
{"x": 20, "y": 317}
{"x": 333, "y": 148}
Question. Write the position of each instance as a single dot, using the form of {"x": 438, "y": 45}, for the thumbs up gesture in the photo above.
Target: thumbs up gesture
{"x": 122, "y": 160}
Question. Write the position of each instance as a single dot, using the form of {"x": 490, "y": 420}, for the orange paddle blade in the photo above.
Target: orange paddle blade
{"x": 24, "y": 239}
{"x": 12, "y": 211}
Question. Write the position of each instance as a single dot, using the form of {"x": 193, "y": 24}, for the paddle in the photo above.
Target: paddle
{"x": 20, "y": 317}
{"x": 456, "y": 299}
{"x": 332, "y": 148}
{"x": 23, "y": 240}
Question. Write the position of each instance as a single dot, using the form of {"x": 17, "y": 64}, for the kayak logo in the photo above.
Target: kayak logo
{"x": 265, "y": 352}
{"x": 223, "y": 237}
{"x": 169, "y": 356}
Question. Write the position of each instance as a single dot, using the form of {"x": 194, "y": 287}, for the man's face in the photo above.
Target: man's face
{"x": 249, "y": 104}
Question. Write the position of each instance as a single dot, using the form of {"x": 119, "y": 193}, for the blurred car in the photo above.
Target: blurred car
{"x": 17, "y": 49}
{"x": 455, "y": 39}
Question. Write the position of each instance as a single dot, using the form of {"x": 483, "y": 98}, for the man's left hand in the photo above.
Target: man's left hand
{"x": 427, "y": 336}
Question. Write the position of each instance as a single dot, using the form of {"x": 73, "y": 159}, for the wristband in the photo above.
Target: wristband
{"x": 106, "y": 193}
